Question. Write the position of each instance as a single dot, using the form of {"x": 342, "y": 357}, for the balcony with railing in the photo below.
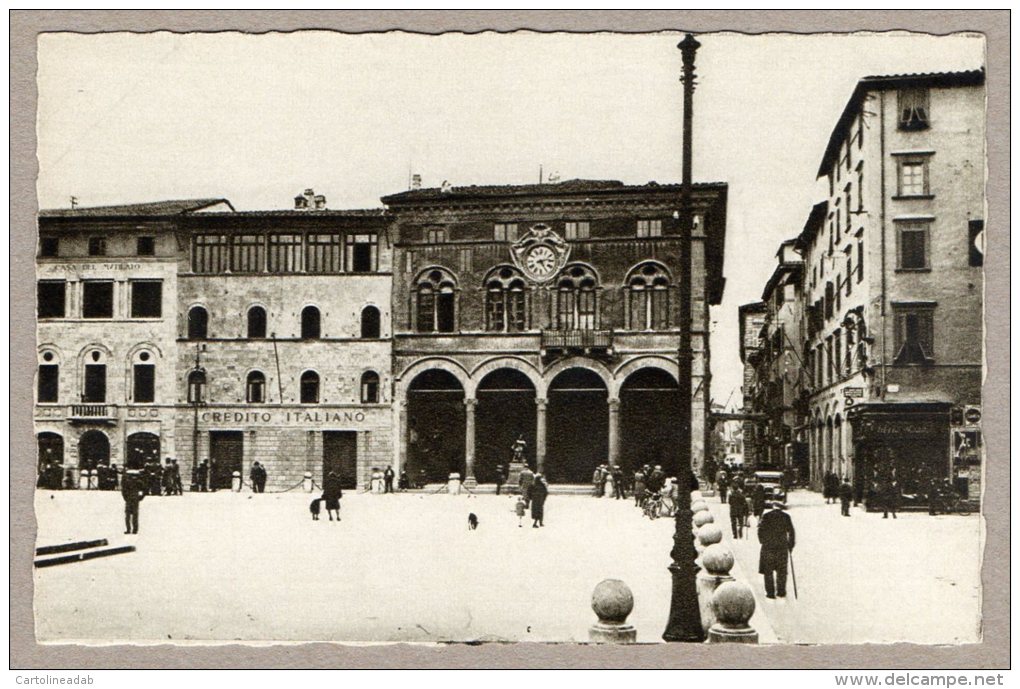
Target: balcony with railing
{"x": 587, "y": 341}
{"x": 95, "y": 412}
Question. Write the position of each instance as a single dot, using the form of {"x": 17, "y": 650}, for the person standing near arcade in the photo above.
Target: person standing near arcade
{"x": 133, "y": 491}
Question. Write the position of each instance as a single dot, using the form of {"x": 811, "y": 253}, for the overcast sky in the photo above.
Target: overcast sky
{"x": 257, "y": 119}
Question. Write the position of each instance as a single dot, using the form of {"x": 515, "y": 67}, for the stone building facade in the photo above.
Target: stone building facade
{"x": 271, "y": 341}
{"x": 893, "y": 286}
{"x": 751, "y": 319}
{"x": 547, "y": 313}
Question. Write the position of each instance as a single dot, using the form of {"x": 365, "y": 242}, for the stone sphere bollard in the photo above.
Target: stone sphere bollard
{"x": 306, "y": 483}
{"x": 733, "y": 605}
{"x": 453, "y": 484}
{"x": 709, "y": 534}
{"x": 235, "y": 482}
{"x": 612, "y": 602}
{"x": 716, "y": 562}
{"x": 699, "y": 506}
{"x": 702, "y": 518}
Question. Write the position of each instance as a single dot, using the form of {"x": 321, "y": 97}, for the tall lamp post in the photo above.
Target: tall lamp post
{"x": 684, "y": 615}
{"x": 196, "y": 393}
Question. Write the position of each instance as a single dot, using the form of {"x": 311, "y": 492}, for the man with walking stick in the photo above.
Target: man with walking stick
{"x": 776, "y": 534}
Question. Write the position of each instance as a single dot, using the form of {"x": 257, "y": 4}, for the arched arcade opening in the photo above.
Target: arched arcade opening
{"x": 436, "y": 424}
{"x": 578, "y": 426}
{"x": 505, "y": 411}
{"x": 649, "y": 420}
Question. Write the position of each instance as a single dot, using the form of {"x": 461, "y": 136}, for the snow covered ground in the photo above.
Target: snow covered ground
{"x": 866, "y": 579}
{"x": 227, "y": 566}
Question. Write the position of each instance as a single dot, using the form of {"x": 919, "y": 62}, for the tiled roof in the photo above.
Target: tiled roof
{"x": 573, "y": 186}
{"x": 974, "y": 77}
{"x": 152, "y": 208}
{"x": 346, "y": 212}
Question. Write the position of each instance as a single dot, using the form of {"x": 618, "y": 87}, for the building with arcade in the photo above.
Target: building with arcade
{"x": 548, "y": 313}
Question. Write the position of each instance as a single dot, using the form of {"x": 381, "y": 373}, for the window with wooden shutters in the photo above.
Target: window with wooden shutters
{"x": 913, "y": 176}
{"x": 912, "y": 241}
{"x": 284, "y": 253}
{"x": 914, "y": 340}
{"x": 209, "y": 253}
{"x": 913, "y": 108}
{"x": 323, "y": 253}
{"x": 246, "y": 253}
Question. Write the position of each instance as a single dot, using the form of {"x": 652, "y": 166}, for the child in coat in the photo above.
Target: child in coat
{"x": 520, "y": 509}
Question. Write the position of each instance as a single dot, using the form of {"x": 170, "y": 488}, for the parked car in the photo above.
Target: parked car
{"x": 773, "y": 483}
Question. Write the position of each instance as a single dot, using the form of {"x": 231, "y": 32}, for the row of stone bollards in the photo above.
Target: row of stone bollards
{"x": 726, "y": 605}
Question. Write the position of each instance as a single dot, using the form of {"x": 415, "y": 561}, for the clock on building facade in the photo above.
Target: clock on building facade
{"x": 540, "y": 254}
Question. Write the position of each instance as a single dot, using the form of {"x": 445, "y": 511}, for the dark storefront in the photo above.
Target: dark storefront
{"x": 908, "y": 443}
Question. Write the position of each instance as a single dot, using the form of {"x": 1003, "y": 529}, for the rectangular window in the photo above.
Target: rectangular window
{"x": 209, "y": 253}
{"x": 912, "y": 240}
{"x": 435, "y": 235}
{"x": 465, "y": 256}
{"x": 516, "y": 310}
{"x": 913, "y": 108}
{"x": 860, "y": 187}
{"x": 849, "y": 219}
{"x": 324, "y": 253}
{"x": 144, "y": 388}
{"x": 565, "y": 309}
{"x": 284, "y": 253}
{"x": 829, "y": 299}
{"x": 49, "y": 247}
{"x": 914, "y": 340}
{"x": 146, "y": 298}
{"x": 97, "y": 246}
{"x": 837, "y": 226}
{"x": 97, "y": 299}
{"x": 976, "y": 243}
{"x": 49, "y": 383}
{"x": 362, "y": 252}
{"x": 578, "y": 230}
{"x": 408, "y": 262}
{"x": 246, "y": 253}
{"x": 849, "y": 273}
{"x": 660, "y": 308}
{"x": 839, "y": 294}
{"x": 495, "y": 309}
{"x": 95, "y": 383}
{"x": 426, "y": 311}
{"x": 860, "y": 260}
{"x": 649, "y": 228}
{"x": 146, "y": 246}
{"x": 51, "y": 298}
{"x": 860, "y": 129}
{"x": 830, "y": 374}
{"x": 638, "y": 309}
{"x": 913, "y": 176}
{"x": 837, "y": 353}
{"x": 505, "y": 232}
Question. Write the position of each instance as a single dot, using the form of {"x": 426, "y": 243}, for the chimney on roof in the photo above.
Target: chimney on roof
{"x": 446, "y": 188}
{"x": 554, "y": 177}
{"x": 415, "y": 181}
{"x": 310, "y": 201}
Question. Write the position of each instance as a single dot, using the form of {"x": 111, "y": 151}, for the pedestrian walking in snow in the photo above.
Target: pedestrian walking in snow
{"x": 526, "y": 481}
{"x": 890, "y": 498}
{"x": 846, "y": 494}
{"x": 520, "y": 508}
{"x": 331, "y": 494}
{"x": 738, "y": 511}
{"x": 133, "y": 491}
{"x": 388, "y": 477}
{"x": 830, "y": 487}
{"x": 777, "y": 538}
{"x": 258, "y": 477}
{"x": 539, "y": 492}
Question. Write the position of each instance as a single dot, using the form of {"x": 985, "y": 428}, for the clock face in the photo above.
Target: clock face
{"x": 541, "y": 261}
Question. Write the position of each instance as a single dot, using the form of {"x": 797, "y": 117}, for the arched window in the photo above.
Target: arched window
{"x": 48, "y": 381}
{"x": 143, "y": 378}
{"x": 648, "y": 297}
{"x": 256, "y": 323}
{"x": 255, "y": 389}
{"x": 369, "y": 387}
{"x": 94, "y": 385}
{"x": 505, "y": 300}
{"x": 577, "y": 298}
{"x": 370, "y": 322}
{"x": 311, "y": 323}
{"x": 196, "y": 387}
{"x": 198, "y": 323}
{"x": 436, "y": 302}
{"x": 309, "y": 387}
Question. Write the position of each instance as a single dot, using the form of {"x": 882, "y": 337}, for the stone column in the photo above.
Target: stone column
{"x": 469, "y": 443}
{"x": 403, "y": 435}
{"x": 614, "y": 431}
{"x": 540, "y": 404}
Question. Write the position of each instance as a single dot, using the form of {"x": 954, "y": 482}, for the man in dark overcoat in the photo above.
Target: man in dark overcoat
{"x": 527, "y": 479}
{"x": 388, "y": 477}
{"x": 777, "y": 538}
{"x": 500, "y": 477}
{"x": 846, "y": 494}
{"x": 738, "y": 511}
{"x": 132, "y": 490}
{"x": 539, "y": 492}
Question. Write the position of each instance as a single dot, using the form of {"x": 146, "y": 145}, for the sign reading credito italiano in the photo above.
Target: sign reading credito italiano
{"x": 299, "y": 417}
